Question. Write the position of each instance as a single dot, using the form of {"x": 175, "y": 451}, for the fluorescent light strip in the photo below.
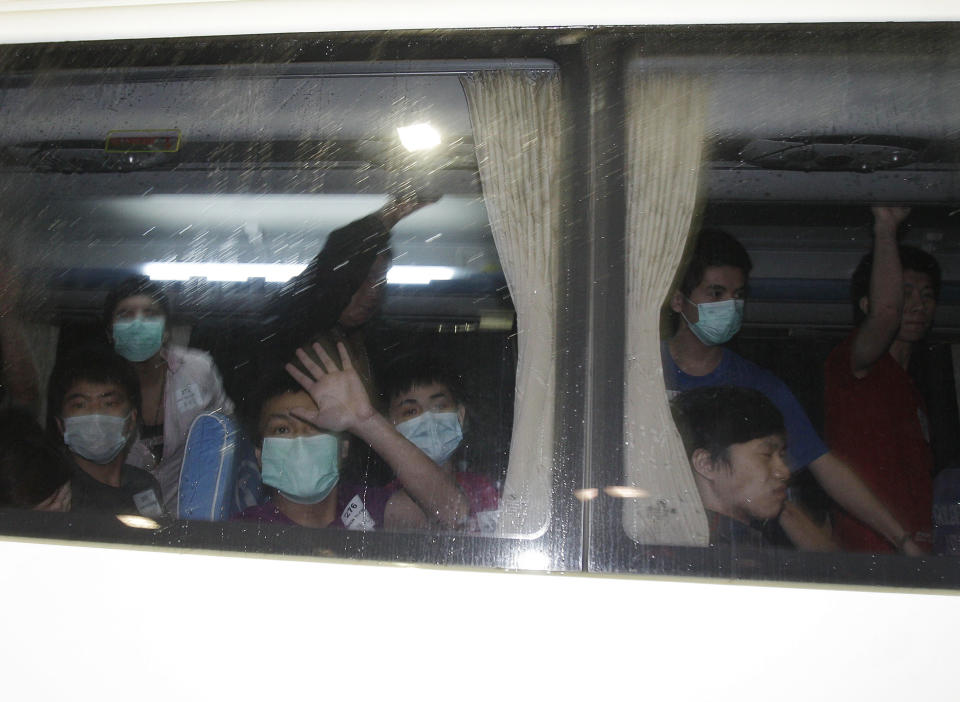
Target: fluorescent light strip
{"x": 223, "y": 272}
{"x": 419, "y": 275}
{"x": 279, "y": 272}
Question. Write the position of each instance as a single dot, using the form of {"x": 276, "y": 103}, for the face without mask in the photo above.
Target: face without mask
{"x": 304, "y": 469}
{"x": 437, "y": 434}
{"x": 139, "y": 339}
{"x": 96, "y": 437}
{"x": 717, "y": 322}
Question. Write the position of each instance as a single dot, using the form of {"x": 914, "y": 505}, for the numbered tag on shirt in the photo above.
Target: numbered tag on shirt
{"x": 188, "y": 398}
{"x": 147, "y": 504}
{"x": 356, "y": 517}
{"x": 487, "y": 521}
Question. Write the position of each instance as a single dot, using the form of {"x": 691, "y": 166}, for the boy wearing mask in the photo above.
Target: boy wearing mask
{"x": 426, "y": 402}
{"x": 299, "y": 434}
{"x": 94, "y": 395}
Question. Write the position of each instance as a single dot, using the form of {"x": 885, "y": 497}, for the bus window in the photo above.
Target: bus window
{"x": 200, "y": 224}
{"x": 744, "y": 224}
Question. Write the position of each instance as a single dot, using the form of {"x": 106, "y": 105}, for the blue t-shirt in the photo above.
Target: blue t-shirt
{"x": 803, "y": 444}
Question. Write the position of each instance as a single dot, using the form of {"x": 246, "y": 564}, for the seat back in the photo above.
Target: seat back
{"x": 219, "y": 476}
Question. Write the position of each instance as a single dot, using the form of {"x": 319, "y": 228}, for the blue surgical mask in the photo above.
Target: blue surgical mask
{"x": 138, "y": 339}
{"x": 96, "y": 437}
{"x": 304, "y": 469}
{"x": 718, "y": 322}
{"x": 437, "y": 434}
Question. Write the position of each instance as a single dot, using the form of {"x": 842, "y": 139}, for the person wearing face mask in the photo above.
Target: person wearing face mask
{"x": 425, "y": 401}
{"x": 709, "y": 306}
{"x": 177, "y": 384}
{"x": 94, "y": 396}
{"x": 300, "y": 420}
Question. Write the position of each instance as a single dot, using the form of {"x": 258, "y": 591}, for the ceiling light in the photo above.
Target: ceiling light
{"x": 418, "y": 137}
{"x": 418, "y": 275}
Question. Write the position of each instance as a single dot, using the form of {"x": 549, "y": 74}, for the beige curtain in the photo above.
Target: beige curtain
{"x": 665, "y": 137}
{"x": 515, "y": 116}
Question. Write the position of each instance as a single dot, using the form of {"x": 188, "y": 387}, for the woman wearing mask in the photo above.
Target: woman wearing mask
{"x": 176, "y": 383}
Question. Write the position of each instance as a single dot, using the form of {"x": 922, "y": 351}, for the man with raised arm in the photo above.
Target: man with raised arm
{"x": 875, "y": 416}
{"x": 709, "y": 304}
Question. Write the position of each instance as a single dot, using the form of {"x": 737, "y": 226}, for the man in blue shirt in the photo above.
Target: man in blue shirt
{"x": 709, "y": 304}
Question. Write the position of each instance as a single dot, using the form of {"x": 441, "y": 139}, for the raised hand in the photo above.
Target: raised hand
{"x": 399, "y": 208}
{"x": 887, "y": 219}
{"x": 341, "y": 399}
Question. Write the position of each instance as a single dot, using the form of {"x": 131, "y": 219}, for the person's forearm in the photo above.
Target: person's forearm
{"x": 803, "y": 532}
{"x": 885, "y": 295}
{"x": 427, "y": 484}
{"x": 19, "y": 370}
{"x": 849, "y": 491}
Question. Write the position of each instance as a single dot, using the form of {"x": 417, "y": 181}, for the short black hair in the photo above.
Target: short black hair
{"x": 715, "y": 418}
{"x": 95, "y": 364}
{"x": 408, "y": 372}
{"x": 32, "y": 468}
{"x": 277, "y": 381}
{"x": 130, "y": 287}
{"x": 911, "y": 259}
{"x": 714, "y": 247}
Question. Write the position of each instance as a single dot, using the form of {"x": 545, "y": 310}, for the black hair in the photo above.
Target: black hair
{"x": 911, "y": 259}
{"x": 131, "y": 287}
{"x": 408, "y": 372}
{"x": 715, "y": 418}
{"x": 276, "y": 382}
{"x": 714, "y": 247}
{"x": 95, "y": 364}
{"x": 32, "y": 468}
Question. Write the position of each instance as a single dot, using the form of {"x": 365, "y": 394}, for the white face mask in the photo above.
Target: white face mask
{"x": 437, "y": 434}
{"x": 304, "y": 469}
{"x": 96, "y": 437}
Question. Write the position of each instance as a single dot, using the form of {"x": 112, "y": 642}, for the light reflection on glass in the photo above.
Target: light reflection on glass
{"x": 278, "y": 272}
{"x": 625, "y": 492}
{"x": 137, "y": 522}
{"x": 586, "y": 494}
{"x": 418, "y": 137}
{"x": 533, "y": 560}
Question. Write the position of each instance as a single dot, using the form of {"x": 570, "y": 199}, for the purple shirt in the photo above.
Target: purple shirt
{"x": 358, "y": 508}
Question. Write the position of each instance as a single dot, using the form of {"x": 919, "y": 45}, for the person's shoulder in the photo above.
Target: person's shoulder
{"x": 734, "y": 363}
{"x": 138, "y": 479}
{"x": 741, "y": 371}
{"x": 189, "y": 355}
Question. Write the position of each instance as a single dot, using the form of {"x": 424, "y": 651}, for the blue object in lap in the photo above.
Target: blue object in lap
{"x": 219, "y": 476}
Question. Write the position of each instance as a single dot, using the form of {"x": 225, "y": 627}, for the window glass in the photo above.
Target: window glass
{"x": 202, "y": 223}
{"x": 798, "y": 149}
